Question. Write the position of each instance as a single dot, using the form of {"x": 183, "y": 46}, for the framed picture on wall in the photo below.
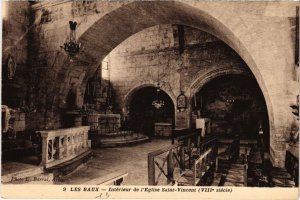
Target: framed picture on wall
{"x": 181, "y": 101}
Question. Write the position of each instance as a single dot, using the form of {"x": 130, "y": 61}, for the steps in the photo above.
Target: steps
{"x": 19, "y": 172}
{"x": 115, "y": 178}
{"x": 22, "y": 173}
{"x": 119, "y": 141}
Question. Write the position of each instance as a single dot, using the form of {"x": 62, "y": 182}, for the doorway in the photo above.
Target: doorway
{"x": 143, "y": 115}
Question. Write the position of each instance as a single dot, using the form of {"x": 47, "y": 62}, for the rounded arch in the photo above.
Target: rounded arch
{"x": 141, "y": 115}
{"x": 114, "y": 27}
{"x": 203, "y": 78}
{"x": 129, "y": 95}
{"x": 216, "y": 103}
{"x": 133, "y": 17}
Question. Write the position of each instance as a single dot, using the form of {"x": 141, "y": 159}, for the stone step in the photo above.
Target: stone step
{"x": 70, "y": 166}
{"x": 122, "y": 142}
{"x": 22, "y": 174}
{"x": 114, "y": 178}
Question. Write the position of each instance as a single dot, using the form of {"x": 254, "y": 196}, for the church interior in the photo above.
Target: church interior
{"x": 150, "y": 93}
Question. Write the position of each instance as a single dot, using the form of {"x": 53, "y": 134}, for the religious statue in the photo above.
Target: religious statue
{"x": 6, "y": 117}
{"x": 11, "y": 67}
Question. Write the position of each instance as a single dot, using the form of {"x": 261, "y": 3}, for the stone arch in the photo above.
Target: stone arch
{"x": 111, "y": 29}
{"x": 202, "y": 84}
{"x": 114, "y": 27}
{"x": 129, "y": 95}
{"x": 203, "y": 78}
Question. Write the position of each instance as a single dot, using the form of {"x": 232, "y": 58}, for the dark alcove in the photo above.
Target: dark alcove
{"x": 236, "y": 106}
{"x": 143, "y": 115}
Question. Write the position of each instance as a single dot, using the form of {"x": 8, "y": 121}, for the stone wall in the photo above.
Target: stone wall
{"x": 155, "y": 51}
{"x": 14, "y": 51}
{"x": 52, "y": 74}
{"x": 19, "y": 121}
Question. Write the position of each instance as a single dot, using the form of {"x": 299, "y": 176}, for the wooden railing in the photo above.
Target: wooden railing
{"x": 62, "y": 145}
{"x": 195, "y": 144}
{"x": 166, "y": 160}
{"x": 200, "y": 167}
{"x": 171, "y": 162}
{"x": 180, "y": 134}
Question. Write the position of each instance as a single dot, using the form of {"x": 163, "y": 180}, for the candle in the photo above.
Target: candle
{"x": 195, "y": 101}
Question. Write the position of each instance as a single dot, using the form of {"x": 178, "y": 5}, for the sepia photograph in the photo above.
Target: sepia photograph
{"x": 150, "y": 99}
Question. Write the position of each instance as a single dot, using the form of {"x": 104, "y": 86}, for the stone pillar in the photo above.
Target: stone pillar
{"x": 182, "y": 119}
{"x": 278, "y": 147}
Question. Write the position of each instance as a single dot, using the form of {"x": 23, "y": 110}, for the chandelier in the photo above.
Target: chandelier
{"x": 158, "y": 103}
{"x": 71, "y": 46}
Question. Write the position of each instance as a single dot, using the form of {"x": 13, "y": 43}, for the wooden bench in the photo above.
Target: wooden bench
{"x": 229, "y": 155}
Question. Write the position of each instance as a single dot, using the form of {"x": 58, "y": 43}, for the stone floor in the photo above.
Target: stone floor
{"x": 13, "y": 170}
{"x": 132, "y": 160}
{"x": 13, "y": 167}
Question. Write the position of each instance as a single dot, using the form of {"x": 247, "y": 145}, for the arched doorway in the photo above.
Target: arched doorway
{"x": 236, "y": 106}
{"x": 143, "y": 115}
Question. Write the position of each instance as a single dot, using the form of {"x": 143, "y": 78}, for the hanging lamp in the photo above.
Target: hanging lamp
{"x": 72, "y": 46}
{"x": 158, "y": 103}
{"x": 181, "y": 98}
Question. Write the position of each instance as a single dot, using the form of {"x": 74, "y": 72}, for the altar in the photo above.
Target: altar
{"x": 163, "y": 129}
{"x": 104, "y": 124}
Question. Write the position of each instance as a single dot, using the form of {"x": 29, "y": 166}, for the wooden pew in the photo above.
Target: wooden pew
{"x": 229, "y": 155}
